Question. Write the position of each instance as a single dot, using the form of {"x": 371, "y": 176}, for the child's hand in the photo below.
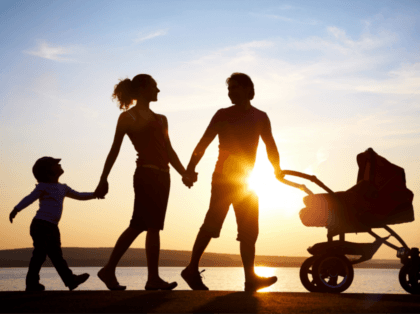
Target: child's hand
{"x": 13, "y": 215}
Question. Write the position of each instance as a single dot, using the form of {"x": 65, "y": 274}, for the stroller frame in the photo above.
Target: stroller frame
{"x": 329, "y": 264}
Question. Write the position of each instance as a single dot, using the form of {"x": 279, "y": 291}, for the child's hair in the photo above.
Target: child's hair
{"x": 243, "y": 80}
{"x": 42, "y": 169}
{"x": 126, "y": 90}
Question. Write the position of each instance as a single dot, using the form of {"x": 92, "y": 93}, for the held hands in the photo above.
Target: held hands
{"x": 13, "y": 215}
{"x": 189, "y": 178}
{"x": 101, "y": 190}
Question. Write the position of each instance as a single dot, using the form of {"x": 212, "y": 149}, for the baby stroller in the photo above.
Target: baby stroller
{"x": 380, "y": 198}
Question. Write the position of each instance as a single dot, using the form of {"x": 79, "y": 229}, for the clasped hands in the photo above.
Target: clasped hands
{"x": 101, "y": 190}
{"x": 189, "y": 178}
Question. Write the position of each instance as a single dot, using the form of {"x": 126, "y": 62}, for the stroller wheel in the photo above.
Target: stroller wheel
{"x": 333, "y": 273}
{"x": 306, "y": 275}
{"x": 409, "y": 278}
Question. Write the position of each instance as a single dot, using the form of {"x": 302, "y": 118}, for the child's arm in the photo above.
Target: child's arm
{"x": 80, "y": 196}
{"x": 34, "y": 195}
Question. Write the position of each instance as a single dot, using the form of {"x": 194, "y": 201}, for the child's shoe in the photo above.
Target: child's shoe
{"x": 38, "y": 287}
{"x": 78, "y": 280}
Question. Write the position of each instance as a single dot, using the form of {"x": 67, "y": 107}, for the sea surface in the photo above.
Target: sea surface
{"x": 216, "y": 278}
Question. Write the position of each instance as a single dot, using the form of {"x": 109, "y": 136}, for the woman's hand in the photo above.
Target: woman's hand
{"x": 189, "y": 178}
{"x": 102, "y": 189}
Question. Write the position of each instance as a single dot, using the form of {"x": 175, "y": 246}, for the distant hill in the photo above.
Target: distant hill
{"x": 136, "y": 257}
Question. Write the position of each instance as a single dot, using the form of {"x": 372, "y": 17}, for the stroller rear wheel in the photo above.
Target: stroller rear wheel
{"x": 409, "y": 278}
{"x": 306, "y": 275}
{"x": 333, "y": 273}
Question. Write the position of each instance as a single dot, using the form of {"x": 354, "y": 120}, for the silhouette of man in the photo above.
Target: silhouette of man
{"x": 239, "y": 128}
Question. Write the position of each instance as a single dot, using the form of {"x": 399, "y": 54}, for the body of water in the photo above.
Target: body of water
{"x": 216, "y": 278}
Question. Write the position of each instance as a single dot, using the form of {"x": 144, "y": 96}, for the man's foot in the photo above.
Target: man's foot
{"x": 160, "y": 285}
{"x": 38, "y": 287}
{"x": 259, "y": 283}
{"x": 110, "y": 281}
{"x": 193, "y": 279}
{"x": 78, "y": 280}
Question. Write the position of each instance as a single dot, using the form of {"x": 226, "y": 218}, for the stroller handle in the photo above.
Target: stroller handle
{"x": 311, "y": 178}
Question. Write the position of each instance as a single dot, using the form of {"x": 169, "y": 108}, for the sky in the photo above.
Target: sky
{"x": 334, "y": 77}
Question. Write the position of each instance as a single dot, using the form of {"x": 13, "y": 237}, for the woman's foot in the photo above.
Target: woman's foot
{"x": 110, "y": 280}
{"x": 159, "y": 284}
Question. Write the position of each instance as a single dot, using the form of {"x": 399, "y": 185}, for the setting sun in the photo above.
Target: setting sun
{"x": 274, "y": 196}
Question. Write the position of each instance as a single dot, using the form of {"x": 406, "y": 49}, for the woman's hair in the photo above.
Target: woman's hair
{"x": 243, "y": 80}
{"x": 127, "y": 90}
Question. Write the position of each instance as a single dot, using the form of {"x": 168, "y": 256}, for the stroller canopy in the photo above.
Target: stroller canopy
{"x": 380, "y": 197}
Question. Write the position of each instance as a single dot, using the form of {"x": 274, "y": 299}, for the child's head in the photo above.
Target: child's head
{"x": 47, "y": 169}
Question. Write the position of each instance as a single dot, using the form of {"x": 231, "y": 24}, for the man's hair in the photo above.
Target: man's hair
{"x": 243, "y": 80}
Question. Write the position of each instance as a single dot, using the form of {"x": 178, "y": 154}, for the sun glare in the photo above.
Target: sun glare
{"x": 273, "y": 195}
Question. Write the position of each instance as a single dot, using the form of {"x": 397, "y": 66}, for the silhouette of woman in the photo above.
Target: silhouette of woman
{"x": 149, "y": 134}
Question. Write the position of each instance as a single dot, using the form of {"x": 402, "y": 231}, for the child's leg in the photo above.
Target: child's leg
{"x": 39, "y": 255}
{"x": 53, "y": 249}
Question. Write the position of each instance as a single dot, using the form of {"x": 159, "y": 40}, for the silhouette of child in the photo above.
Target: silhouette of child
{"x": 44, "y": 227}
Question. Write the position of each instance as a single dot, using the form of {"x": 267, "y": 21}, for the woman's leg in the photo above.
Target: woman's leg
{"x": 123, "y": 243}
{"x": 152, "y": 253}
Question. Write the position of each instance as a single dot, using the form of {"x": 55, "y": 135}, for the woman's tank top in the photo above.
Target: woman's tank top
{"x": 149, "y": 142}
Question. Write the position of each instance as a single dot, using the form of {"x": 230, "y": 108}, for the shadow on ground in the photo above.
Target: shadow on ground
{"x": 237, "y": 302}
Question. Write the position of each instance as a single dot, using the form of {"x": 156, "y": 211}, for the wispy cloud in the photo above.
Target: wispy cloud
{"x": 286, "y": 18}
{"x": 51, "y": 52}
{"x": 142, "y": 38}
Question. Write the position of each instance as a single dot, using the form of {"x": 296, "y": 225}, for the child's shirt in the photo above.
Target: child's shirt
{"x": 51, "y": 197}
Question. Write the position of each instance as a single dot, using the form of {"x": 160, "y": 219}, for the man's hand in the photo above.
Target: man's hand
{"x": 13, "y": 215}
{"x": 102, "y": 189}
{"x": 189, "y": 178}
{"x": 279, "y": 174}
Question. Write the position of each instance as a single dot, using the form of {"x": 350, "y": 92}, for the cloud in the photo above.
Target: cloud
{"x": 51, "y": 52}
{"x": 143, "y": 38}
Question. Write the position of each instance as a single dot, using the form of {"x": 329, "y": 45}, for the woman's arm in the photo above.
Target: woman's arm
{"x": 173, "y": 157}
{"x": 120, "y": 132}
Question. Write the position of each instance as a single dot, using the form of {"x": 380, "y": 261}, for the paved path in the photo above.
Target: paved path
{"x": 204, "y": 302}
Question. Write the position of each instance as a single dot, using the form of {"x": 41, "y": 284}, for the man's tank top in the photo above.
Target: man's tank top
{"x": 149, "y": 142}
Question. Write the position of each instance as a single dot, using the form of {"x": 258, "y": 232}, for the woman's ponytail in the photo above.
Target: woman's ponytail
{"x": 128, "y": 90}
{"x": 123, "y": 92}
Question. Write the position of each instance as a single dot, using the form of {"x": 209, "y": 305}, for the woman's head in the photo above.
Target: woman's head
{"x": 141, "y": 86}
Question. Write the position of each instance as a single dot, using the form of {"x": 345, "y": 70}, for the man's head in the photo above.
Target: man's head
{"x": 241, "y": 88}
{"x": 47, "y": 169}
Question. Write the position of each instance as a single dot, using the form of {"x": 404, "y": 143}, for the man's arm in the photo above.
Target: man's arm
{"x": 270, "y": 144}
{"x": 209, "y": 135}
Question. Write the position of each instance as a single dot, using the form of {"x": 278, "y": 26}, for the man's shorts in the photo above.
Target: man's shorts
{"x": 224, "y": 192}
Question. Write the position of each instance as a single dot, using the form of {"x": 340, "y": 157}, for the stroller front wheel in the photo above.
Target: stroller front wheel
{"x": 306, "y": 275}
{"x": 333, "y": 273}
{"x": 409, "y": 277}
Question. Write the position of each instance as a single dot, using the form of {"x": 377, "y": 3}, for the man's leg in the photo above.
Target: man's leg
{"x": 248, "y": 259}
{"x": 246, "y": 211}
{"x": 201, "y": 242}
{"x": 219, "y": 207}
